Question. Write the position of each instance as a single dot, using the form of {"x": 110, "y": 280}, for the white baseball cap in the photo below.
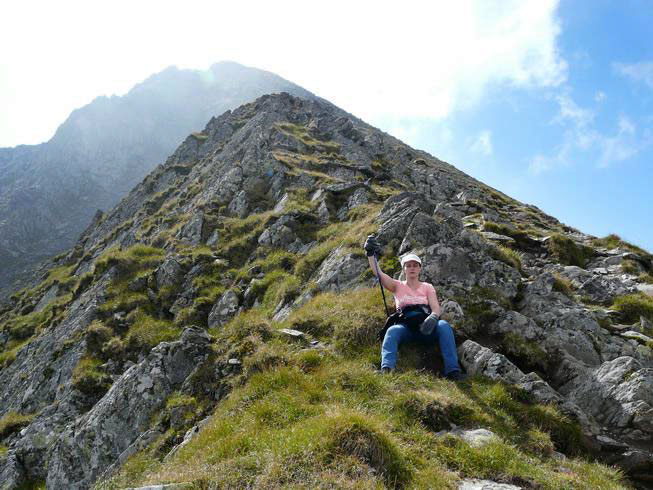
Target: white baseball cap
{"x": 409, "y": 257}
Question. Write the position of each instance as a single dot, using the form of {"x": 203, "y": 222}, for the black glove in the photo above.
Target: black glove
{"x": 429, "y": 324}
{"x": 372, "y": 246}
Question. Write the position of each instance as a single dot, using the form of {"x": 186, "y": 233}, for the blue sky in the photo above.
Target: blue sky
{"x": 581, "y": 150}
{"x": 549, "y": 101}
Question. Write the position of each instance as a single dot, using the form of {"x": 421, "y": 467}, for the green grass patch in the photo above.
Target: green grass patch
{"x": 506, "y": 255}
{"x": 646, "y": 277}
{"x": 301, "y": 134}
{"x": 146, "y": 331}
{"x": 568, "y": 252}
{"x": 340, "y": 423}
{"x": 12, "y": 422}
{"x": 615, "y": 241}
{"x": 563, "y": 285}
{"x": 89, "y": 378}
{"x": 633, "y": 306}
{"x": 525, "y": 352}
{"x": 130, "y": 260}
{"x": 352, "y": 320}
{"x": 8, "y": 355}
{"x": 521, "y": 237}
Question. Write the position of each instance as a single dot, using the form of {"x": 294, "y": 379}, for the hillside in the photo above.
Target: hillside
{"x": 218, "y": 328}
{"x": 50, "y": 192}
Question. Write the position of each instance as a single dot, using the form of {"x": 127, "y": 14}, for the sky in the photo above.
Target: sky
{"x": 550, "y": 102}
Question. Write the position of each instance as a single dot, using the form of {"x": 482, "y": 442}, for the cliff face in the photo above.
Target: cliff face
{"x": 50, "y": 192}
{"x": 241, "y": 256}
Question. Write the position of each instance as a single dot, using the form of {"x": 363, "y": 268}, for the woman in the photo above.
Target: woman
{"x": 408, "y": 294}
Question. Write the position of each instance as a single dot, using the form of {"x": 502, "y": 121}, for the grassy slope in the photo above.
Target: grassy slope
{"x": 311, "y": 418}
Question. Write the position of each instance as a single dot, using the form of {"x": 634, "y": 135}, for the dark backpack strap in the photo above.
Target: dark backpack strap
{"x": 390, "y": 321}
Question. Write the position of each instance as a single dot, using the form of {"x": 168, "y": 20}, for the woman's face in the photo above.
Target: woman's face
{"x": 412, "y": 268}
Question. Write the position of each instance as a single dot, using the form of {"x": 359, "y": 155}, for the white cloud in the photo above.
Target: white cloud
{"x": 622, "y": 145}
{"x": 582, "y": 141}
{"x": 640, "y": 72}
{"x": 561, "y": 157}
{"x": 569, "y": 110}
{"x": 599, "y": 96}
{"x": 483, "y": 143}
{"x": 373, "y": 58}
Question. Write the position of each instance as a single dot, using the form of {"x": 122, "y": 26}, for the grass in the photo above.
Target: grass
{"x": 311, "y": 144}
{"x": 525, "y": 352}
{"x": 130, "y": 260}
{"x": 568, "y": 252}
{"x": 615, "y": 241}
{"x": 89, "y": 378}
{"x": 563, "y": 285}
{"x": 632, "y": 306}
{"x": 12, "y": 422}
{"x": 630, "y": 267}
{"x": 520, "y": 236}
{"x": 506, "y": 255}
{"x": 147, "y": 332}
{"x": 323, "y": 420}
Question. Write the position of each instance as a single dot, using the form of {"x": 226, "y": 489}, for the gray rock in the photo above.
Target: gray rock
{"x": 292, "y": 333}
{"x": 619, "y": 394}
{"x": 213, "y": 238}
{"x": 476, "y": 484}
{"x": 474, "y": 437}
{"x": 603, "y": 289}
{"x": 224, "y": 309}
{"x": 239, "y": 205}
{"x": 97, "y": 439}
{"x": 514, "y": 322}
{"x": 12, "y": 473}
{"x": 452, "y": 312}
{"x": 640, "y": 337}
{"x": 358, "y": 197}
{"x": 497, "y": 238}
{"x": 281, "y": 205}
{"x": 323, "y": 214}
{"x": 169, "y": 273}
{"x": 280, "y": 234}
{"x": 341, "y": 271}
{"x": 191, "y": 232}
{"x": 477, "y": 359}
{"x": 645, "y": 288}
{"x": 47, "y": 297}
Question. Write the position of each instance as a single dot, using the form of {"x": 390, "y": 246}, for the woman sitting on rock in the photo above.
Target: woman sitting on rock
{"x": 418, "y": 318}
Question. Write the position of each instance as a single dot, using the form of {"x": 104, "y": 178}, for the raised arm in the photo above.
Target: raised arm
{"x": 388, "y": 282}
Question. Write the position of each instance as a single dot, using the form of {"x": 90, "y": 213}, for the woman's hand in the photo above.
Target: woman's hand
{"x": 372, "y": 246}
{"x": 429, "y": 324}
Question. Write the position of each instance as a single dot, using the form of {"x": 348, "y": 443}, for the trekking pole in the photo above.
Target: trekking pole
{"x": 378, "y": 276}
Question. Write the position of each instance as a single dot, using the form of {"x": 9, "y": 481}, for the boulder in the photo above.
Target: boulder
{"x": 239, "y": 205}
{"x": 169, "y": 273}
{"x": 619, "y": 393}
{"x": 341, "y": 271}
{"x": 476, "y": 484}
{"x": 47, "y": 297}
{"x": 223, "y": 309}
{"x": 94, "y": 441}
{"x": 191, "y": 232}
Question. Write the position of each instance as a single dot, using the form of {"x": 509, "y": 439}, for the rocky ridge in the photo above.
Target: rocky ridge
{"x": 266, "y": 209}
{"x": 49, "y": 192}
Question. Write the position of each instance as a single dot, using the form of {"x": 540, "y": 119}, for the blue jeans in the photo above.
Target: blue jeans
{"x": 442, "y": 334}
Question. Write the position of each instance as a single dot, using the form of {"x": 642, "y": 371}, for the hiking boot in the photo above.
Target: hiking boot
{"x": 457, "y": 376}
{"x": 386, "y": 370}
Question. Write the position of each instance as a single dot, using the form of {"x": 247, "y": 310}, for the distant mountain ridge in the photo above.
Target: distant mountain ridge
{"x": 49, "y": 192}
